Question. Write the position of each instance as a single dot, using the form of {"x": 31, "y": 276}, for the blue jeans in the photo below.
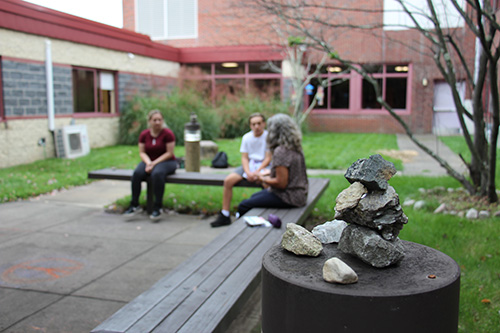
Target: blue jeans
{"x": 158, "y": 175}
{"x": 263, "y": 199}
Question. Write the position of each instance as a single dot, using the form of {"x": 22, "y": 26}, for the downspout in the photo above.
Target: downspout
{"x": 50, "y": 90}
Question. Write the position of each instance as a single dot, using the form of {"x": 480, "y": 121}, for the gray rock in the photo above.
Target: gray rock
{"x": 408, "y": 202}
{"x": 419, "y": 205}
{"x": 440, "y": 209}
{"x": 350, "y": 197}
{"x": 373, "y": 172}
{"x": 370, "y": 247}
{"x": 472, "y": 214}
{"x": 329, "y": 232}
{"x": 377, "y": 210}
{"x": 300, "y": 241}
{"x": 337, "y": 271}
{"x": 484, "y": 214}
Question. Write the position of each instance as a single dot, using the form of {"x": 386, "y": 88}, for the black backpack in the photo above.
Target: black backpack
{"x": 220, "y": 160}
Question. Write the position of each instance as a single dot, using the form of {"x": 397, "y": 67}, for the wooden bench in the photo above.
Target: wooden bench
{"x": 188, "y": 178}
{"x": 206, "y": 292}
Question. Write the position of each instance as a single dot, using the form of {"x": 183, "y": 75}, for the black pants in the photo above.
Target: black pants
{"x": 262, "y": 198}
{"x": 160, "y": 171}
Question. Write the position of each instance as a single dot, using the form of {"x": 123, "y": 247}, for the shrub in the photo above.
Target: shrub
{"x": 234, "y": 113}
{"x": 176, "y": 108}
{"x": 228, "y": 120}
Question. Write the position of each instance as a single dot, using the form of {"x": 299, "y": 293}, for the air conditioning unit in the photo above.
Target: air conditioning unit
{"x": 72, "y": 141}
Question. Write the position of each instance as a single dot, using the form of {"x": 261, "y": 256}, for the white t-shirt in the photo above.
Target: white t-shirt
{"x": 255, "y": 147}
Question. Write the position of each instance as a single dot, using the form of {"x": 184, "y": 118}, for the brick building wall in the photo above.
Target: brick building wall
{"x": 226, "y": 23}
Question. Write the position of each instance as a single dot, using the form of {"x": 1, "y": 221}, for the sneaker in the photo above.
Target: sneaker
{"x": 155, "y": 215}
{"x": 221, "y": 220}
{"x": 132, "y": 211}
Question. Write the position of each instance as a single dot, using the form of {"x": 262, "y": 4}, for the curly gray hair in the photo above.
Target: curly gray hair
{"x": 283, "y": 131}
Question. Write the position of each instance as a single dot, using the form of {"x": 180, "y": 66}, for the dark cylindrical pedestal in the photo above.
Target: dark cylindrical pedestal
{"x": 420, "y": 294}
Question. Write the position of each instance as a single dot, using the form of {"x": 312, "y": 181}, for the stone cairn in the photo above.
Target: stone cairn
{"x": 372, "y": 209}
{"x": 368, "y": 219}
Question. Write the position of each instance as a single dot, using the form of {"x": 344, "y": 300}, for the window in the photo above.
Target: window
{"x": 167, "y": 19}
{"x": 93, "y": 91}
{"x": 395, "y": 18}
{"x": 348, "y": 91}
{"x": 233, "y": 79}
{"x": 336, "y": 94}
{"x": 392, "y": 80}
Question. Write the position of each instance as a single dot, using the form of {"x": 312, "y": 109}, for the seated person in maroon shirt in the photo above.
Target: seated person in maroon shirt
{"x": 156, "y": 149}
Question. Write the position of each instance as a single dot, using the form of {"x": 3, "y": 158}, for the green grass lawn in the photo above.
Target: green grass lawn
{"x": 473, "y": 244}
{"x": 329, "y": 151}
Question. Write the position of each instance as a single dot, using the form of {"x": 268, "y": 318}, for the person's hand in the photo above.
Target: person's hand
{"x": 262, "y": 181}
{"x": 252, "y": 176}
{"x": 149, "y": 167}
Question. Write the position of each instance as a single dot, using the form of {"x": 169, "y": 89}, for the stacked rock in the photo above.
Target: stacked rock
{"x": 372, "y": 209}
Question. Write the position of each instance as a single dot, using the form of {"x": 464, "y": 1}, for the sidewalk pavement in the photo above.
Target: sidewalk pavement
{"x": 422, "y": 164}
{"x": 66, "y": 265}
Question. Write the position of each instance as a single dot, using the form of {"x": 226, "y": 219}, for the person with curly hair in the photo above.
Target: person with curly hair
{"x": 287, "y": 185}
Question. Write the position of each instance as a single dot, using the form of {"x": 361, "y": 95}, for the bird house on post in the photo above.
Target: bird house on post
{"x": 192, "y": 138}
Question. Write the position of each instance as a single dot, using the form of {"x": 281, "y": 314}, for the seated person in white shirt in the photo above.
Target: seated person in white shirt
{"x": 255, "y": 159}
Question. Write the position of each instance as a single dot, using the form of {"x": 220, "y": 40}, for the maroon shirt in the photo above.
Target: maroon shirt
{"x": 155, "y": 147}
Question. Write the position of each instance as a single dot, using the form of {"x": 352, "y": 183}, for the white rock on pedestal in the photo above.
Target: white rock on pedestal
{"x": 337, "y": 271}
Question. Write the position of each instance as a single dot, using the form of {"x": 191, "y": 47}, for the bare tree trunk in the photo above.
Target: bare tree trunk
{"x": 495, "y": 107}
{"x": 477, "y": 167}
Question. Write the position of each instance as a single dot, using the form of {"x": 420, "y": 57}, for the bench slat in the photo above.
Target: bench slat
{"x": 216, "y": 314}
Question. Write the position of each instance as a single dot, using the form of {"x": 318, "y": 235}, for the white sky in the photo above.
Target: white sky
{"x": 104, "y": 11}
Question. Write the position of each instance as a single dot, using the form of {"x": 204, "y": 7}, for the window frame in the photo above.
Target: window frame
{"x": 97, "y": 93}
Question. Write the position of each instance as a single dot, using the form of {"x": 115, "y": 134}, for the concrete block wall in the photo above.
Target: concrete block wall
{"x": 25, "y": 89}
